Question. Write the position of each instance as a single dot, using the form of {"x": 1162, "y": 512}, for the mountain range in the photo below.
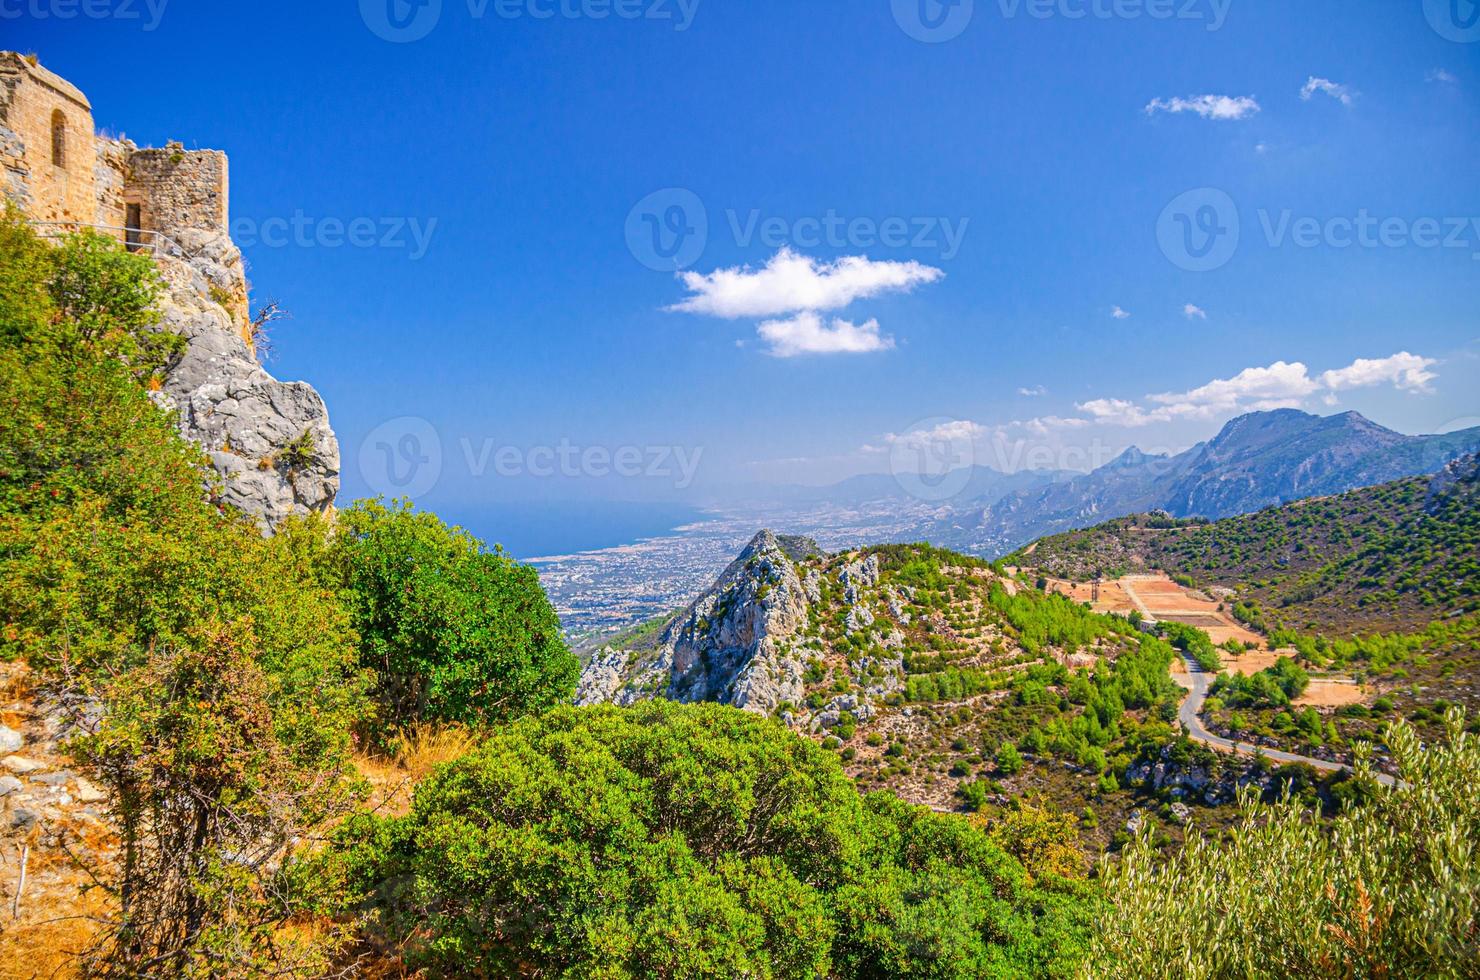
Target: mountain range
{"x": 1258, "y": 460}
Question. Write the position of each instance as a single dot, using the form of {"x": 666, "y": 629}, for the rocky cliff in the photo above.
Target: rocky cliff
{"x": 734, "y": 644}
{"x": 269, "y": 440}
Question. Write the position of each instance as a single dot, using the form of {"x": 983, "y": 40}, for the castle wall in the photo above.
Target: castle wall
{"x": 99, "y": 179}
{"x": 110, "y": 180}
{"x": 179, "y": 189}
{"x": 31, "y": 100}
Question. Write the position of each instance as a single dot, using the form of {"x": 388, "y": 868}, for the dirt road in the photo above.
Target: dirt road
{"x": 1190, "y": 715}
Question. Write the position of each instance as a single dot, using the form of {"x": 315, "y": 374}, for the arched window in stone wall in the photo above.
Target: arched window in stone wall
{"x": 58, "y": 139}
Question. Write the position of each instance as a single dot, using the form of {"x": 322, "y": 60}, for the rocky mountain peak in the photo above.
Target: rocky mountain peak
{"x": 728, "y": 645}
{"x": 734, "y": 644}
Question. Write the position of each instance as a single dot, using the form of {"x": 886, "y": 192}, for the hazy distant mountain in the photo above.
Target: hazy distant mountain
{"x": 984, "y": 487}
{"x": 1256, "y": 461}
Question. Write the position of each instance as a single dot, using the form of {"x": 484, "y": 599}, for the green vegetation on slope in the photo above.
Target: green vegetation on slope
{"x": 1389, "y": 557}
{"x": 228, "y": 666}
{"x": 673, "y": 840}
{"x": 1391, "y": 889}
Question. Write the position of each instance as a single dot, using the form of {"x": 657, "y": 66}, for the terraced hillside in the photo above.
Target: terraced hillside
{"x": 942, "y": 679}
{"x": 1387, "y": 558}
{"x": 1378, "y": 587}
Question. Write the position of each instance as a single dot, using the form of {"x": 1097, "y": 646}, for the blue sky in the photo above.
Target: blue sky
{"x": 996, "y": 193}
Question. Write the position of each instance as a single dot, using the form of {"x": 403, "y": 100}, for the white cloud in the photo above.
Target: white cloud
{"x": 1033, "y": 392}
{"x": 1404, "y": 371}
{"x": 1261, "y": 148}
{"x": 1280, "y": 385}
{"x": 1258, "y": 389}
{"x": 1115, "y": 411}
{"x": 790, "y": 283}
{"x": 1440, "y": 75}
{"x": 956, "y": 429}
{"x": 1222, "y": 107}
{"x": 1190, "y": 312}
{"x": 806, "y": 333}
{"x": 1045, "y": 424}
{"x": 1119, "y": 314}
{"x": 1341, "y": 93}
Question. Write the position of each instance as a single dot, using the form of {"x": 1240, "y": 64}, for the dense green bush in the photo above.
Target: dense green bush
{"x": 1274, "y": 686}
{"x": 1043, "y": 621}
{"x": 225, "y": 673}
{"x": 1390, "y": 889}
{"x": 1195, "y": 643}
{"x": 676, "y": 841}
{"x": 453, "y": 631}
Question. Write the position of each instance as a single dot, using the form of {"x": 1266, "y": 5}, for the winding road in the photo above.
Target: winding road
{"x": 1190, "y": 715}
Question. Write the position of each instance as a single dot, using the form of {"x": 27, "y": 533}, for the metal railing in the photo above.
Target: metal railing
{"x": 134, "y": 239}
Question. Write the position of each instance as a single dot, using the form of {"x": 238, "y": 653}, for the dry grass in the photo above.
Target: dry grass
{"x": 426, "y": 746}
{"x": 420, "y": 749}
{"x": 61, "y": 916}
{"x": 48, "y": 938}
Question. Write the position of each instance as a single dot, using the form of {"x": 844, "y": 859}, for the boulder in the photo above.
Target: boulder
{"x": 22, "y": 766}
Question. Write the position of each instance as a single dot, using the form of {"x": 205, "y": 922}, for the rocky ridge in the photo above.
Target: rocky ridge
{"x": 732, "y": 644}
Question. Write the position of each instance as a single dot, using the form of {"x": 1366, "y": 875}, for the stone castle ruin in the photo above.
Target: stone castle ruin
{"x": 61, "y": 172}
{"x": 269, "y": 440}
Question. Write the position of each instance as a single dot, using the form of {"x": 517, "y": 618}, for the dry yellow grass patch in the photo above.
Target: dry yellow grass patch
{"x": 51, "y": 935}
{"x": 421, "y": 748}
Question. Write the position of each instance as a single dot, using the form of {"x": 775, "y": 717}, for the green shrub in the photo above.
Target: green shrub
{"x": 453, "y": 631}
{"x": 225, "y": 673}
{"x": 1390, "y": 890}
{"x": 691, "y": 840}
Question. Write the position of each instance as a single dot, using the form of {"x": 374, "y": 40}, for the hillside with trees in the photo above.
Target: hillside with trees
{"x": 1390, "y": 557}
{"x": 227, "y": 706}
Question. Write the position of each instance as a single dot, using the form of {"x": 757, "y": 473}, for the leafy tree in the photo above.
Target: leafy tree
{"x": 691, "y": 840}
{"x": 1046, "y": 841}
{"x": 1274, "y": 686}
{"x": 453, "y": 631}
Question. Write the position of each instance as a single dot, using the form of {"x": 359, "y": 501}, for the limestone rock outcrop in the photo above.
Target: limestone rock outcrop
{"x": 734, "y": 644}
{"x": 730, "y": 644}
{"x": 269, "y": 440}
